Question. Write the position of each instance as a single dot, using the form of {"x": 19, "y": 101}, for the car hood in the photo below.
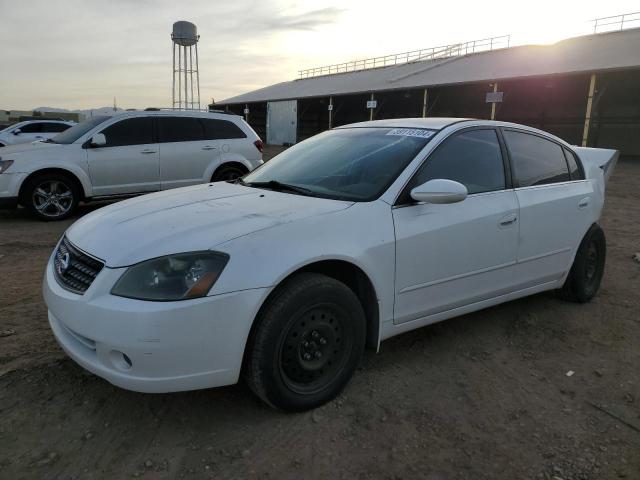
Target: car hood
{"x": 26, "y": 147}
{"x": 188, "y": 219}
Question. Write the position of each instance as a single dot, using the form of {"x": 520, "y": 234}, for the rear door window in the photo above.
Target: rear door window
{"x": 131, "y": 131}
{"x": 536, "y": 160}
{"x": 54, "y": 127}
{"x": 180, "y": 129}
{"x": 221, "y": 130}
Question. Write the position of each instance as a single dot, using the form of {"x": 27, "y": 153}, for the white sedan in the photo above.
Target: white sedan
{"x": 344, "y": 240}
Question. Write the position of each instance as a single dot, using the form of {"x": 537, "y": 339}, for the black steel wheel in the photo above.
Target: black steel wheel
{"x": 587, "y": 270}
{"x": 51, "y": 196}
{"x": 308, "y": 341}
{"x": 315, "y": 348}
{"x": 225, "y": 173}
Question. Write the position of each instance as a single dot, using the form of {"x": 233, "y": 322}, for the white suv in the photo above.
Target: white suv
{"x": 32, "y": 130}
{"x": 124, "y": 155}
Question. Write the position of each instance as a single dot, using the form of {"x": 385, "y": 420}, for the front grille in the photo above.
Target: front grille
{"x": 74, "y": 269}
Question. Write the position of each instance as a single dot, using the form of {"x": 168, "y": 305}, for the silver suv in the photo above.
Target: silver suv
{"x": 124, "y": 155}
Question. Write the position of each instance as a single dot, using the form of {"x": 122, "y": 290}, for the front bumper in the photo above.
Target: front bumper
{"x": 10, "y": 188}
{"x": 152, "y": 346}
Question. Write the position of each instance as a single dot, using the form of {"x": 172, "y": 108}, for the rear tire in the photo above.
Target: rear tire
{"x": 225, "y": 173}
{"x": 51, "y": 196}
{"x": 586, "y": 272}
{"x": 307, "y": 343}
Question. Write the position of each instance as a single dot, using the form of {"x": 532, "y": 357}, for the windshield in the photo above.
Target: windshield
{"x": 356, "y": 164}
{"x": 10, "y": 127}
{"x": 74, "y": 133}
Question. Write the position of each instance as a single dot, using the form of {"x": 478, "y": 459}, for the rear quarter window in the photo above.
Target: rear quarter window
{"x": 221, "y": 130}
{"x": 575, "y": 170}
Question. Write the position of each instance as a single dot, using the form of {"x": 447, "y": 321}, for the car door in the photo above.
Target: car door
{"x": 185, "y": 152}
{"x": 555, "y": 205}
{"x": 452, "y": 255}
{"x": 129, "y": 162}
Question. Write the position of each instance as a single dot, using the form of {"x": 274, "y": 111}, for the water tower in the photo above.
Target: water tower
{"x": 185, "y": 37}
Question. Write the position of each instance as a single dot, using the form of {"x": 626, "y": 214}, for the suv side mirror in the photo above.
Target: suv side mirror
{"x": 439, "y": 191}
{"x": 17, "y": 131}
{"x": 98, "y": 140}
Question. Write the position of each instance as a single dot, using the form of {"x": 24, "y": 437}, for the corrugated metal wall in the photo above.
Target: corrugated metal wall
{"x": 282, "y": 122}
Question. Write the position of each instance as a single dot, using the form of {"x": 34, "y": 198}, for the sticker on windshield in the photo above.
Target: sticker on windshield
{"x": 411, "y": 132}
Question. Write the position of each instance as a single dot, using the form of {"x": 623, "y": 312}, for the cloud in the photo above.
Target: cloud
{"x": 305, "y": 21}
{"x": 81, "y": 53}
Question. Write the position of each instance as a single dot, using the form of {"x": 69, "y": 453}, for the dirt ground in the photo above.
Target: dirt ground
{"x": 483, "y": 396}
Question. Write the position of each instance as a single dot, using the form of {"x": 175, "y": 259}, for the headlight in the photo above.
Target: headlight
{"x": 175, "y": 277}
{"x": 4, "y": 164}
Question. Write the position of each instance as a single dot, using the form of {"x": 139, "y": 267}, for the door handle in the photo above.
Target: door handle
{"x": 148, "y": 151}
{"x": 584, "y": 202}
{"x": 508, "y": 220}
{"x": 208, "y": 147}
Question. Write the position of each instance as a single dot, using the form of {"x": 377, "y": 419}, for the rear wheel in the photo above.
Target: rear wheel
{"x": 51, "y": 196}
{"x": 228, "y": 172}
{"x": 308, "y": 342}
{"x": 586, "y": 272}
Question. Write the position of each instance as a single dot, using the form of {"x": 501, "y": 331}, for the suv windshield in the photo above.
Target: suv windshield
{"x": 75, "y": 132}
{"x": 356, "y": 164}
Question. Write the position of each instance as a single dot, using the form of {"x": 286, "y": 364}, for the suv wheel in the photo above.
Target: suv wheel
{"x": 228, "y": 172}
{"x": 308, "y": 342}
{"x": 51, "y": 196}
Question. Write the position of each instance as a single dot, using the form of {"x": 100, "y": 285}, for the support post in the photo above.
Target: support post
{"x": 371, "y": 109}
{"x": 330, "y": 111}
{"x": 173, "y": 84}
{"x": 179, "y": 77}
{"x": 197, "y": 75}
{"x": 246, "y": 115}
{"x": 424, "y": 103}
{"x": 186, "y": 96}
{"x": 493, "y": 104}
{"x": 191, "y": 76}
{"x": 587, "y": 118}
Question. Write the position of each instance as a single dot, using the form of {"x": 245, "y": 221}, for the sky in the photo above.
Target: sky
{"x": 80, "y": 54}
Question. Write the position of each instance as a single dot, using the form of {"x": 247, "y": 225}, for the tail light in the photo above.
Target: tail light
{"x": 259, "y": 145}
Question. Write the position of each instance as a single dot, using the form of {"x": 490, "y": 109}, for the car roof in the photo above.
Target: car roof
{"x": 57, "y": 120}
{"x": 180, "y": 113}
{"x": 435, "y": 123}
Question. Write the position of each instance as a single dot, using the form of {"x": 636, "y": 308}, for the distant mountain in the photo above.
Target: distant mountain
{"x": 87, "y": 113}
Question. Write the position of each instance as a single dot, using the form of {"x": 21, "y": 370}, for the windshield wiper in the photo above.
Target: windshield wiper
{"x": 236, "y": 181}
{"x": 281, "y": 187}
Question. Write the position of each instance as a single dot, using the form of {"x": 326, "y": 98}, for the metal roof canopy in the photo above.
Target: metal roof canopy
{"x": 596, "y": 52}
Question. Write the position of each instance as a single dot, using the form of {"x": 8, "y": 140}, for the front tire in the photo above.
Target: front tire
{"x": 226, "y": 173}
{"x": 51, "y": 196}
{"x": 308, "y": 341}
{"x": 586, "y": 272}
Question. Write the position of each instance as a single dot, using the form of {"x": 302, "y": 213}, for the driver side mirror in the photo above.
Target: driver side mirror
{"x": 17, "y": 131}
{"x": 439, "y": 191}
{"x": 98, "y": 140}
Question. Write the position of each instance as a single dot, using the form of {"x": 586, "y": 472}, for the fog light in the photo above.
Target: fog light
{"x": 120, "y": 360}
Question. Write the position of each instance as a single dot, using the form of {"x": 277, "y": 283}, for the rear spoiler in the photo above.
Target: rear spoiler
{"x": 595, "y": 159}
